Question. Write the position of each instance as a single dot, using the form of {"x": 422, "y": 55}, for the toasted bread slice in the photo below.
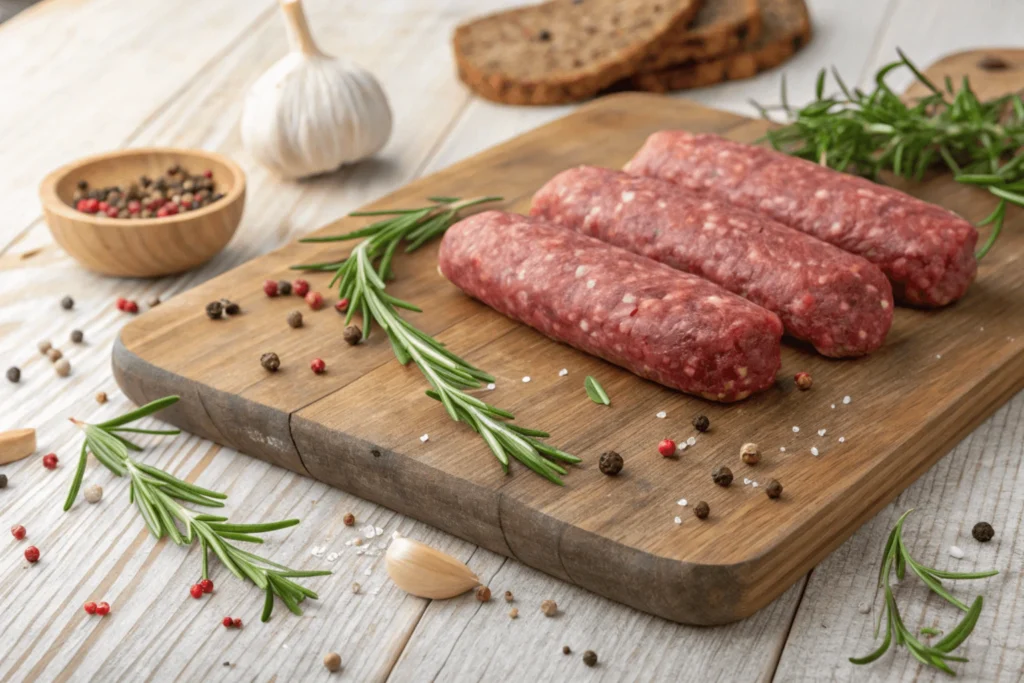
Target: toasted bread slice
{"x": 564, "y": 50}
{"x": 786, "y": 27}
{"x": 721, "y": 27}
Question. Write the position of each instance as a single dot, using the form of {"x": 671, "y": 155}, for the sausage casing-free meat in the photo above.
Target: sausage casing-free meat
{"x": 926, "y": 251}
{"x": 839, "y": 302}
{"x": 671, "y": 327}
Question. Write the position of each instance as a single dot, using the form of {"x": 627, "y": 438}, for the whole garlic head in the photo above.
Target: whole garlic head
{"x": 311, "y": 113}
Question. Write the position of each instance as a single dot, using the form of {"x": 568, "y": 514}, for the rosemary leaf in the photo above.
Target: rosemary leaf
{"x": 596, "y": 392}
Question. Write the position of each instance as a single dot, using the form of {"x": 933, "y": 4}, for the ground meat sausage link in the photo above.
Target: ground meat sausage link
{"x": 926, "y": 251}
{"x": 664, "y": 325}
{"x": 837, "y": 301}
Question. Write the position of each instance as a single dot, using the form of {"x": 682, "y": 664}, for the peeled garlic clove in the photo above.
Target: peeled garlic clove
{"x": 426, "y": 572}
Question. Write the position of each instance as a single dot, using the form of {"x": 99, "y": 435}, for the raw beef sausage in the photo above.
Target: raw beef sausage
{"x": 670, "y": 327}
{"x": 837, "y": 301}
{"x": 926, "y": 251}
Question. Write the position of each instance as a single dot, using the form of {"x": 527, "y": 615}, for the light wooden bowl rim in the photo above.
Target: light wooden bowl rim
{"x": 52, "y": 202}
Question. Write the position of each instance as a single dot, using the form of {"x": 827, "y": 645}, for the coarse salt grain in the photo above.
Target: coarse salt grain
{"x": 846, "y": 400}
{"x": 678, "y": 520}
{"x": 526, "y": 379}
{"x": 380, "y": 532}
{"x": 842, "y": 439}
{"x": 956, "y": 552}
{"x": 367, "y": 571}
{"x": 317, "y": 550}
{"x": 681, "y": 501}
{"x": 682, "y": 446}
{"x": 661, "y": 415}
{"x": 938, "y": 356}
{"x": 821, "y": 432}
{"x": 814, "y": 450}
{"x": 490, "y": 387}
{"x": 864, "y": 608}
{"x": 424, "y": 438}
{"x": 782, "y": 449}
{"x": 746, "y": 482}
{"x": 369, "y": 531}
{"x": 563, "y": 372}
{"x": 692, "y": 441}
{"x": 795, "y": 429}
{"x": 833, "y": 406}
{"x": 754, "y": 484}
{"x": 331, "y": 557}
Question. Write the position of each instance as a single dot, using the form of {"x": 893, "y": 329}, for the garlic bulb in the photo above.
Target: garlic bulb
{"x": 426, "y": 572}
{"x": 311, "y": 113}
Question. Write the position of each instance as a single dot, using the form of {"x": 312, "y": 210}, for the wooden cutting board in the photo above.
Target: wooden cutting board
{"x": 358, "y": 427}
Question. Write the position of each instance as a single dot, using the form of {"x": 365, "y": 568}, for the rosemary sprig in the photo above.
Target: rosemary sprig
{"x": 159, "y": 497}
{"x": 870, "y": 132}
{"x": 363, "y": 283}
{"x": 897, "y": 556}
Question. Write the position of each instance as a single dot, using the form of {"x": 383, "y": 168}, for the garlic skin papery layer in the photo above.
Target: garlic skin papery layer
{"x": 310, "y": 112}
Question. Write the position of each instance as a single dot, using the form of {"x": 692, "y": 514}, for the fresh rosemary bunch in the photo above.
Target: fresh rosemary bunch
{"x": 870, "y": 132}
{"x": 897, "y": 556}
{"x": 159, "y": 497}
{"x": 361, "y": 279}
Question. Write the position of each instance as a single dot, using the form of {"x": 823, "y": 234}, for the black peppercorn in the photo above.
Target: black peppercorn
{"x": 230, "y": 307}
{"x": 13, "y": 374}
{"x": 773, "y": 489}
{"x": 82, "y": 185}
{"x": 701, "y": 510}
{"x": 284, "y": 288}
{"x": 353, "y": 335}
{"x": 610, "y": 463}
{"x": 544, "y": 35}
{"x": 77, "y": 336}
{"x": 983, "y": 532}
{"x": 67, "y": 303}
{"x": 295, "y": 319}
{"x": 270, "y": 362}
{"x": 214, "y": 309}
{"x": 566, "y": 650}
{"x": 590, "y": 658}
{"x": 3, "y": 481}
{"x": 722, "y": 476}
{"x": 701, "y": 423}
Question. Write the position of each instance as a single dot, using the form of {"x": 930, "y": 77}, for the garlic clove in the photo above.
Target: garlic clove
{"x": 426, "y": 572}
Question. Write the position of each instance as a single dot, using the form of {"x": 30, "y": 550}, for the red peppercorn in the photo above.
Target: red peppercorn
{"x": 134, "y": 206}
{"x": 341, "y": 306}
{"x": 121, "y": 301}
{"x": 196, "y": 590}
{"x": 206, "y": 585}
{"x": 207, "y": 173}
{"x": 103, "y": 206}
{"x": 667, "y": 448}
{"x": 318, "y": 366}
{"x": 89, "y": 607}
{"x": 32, "y": 554}
{"x": 171, "y": 208}
{"x": 82, "y": 205}
{"x": 112, "y": 211}
{"x": 130, "y": 307}
{"x": 300, "y": 287}
{"x": 18, "y": 531}
{"x": 103, "y": 609}
{"x": 92, "y": 205}
{"x": 270, "y": 287}
{"x": 50, "y": 461}
{"x": 227, "y": 621}
{"x": 162, "y": 212}
{"x": 803, "y": 381}
{"x": 237, "y": 622}
{"x": 315, "y": 300}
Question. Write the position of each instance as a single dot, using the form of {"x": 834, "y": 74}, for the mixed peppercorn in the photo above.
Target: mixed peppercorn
{"x": 176, "y": 191}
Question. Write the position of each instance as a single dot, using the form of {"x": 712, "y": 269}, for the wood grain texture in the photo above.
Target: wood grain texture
{"x": 910, "y": 399}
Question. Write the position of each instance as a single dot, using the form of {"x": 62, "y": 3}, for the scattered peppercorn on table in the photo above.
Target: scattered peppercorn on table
{"x": 97, "y": 598}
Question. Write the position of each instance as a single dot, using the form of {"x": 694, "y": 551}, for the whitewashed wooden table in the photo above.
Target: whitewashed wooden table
{"x": 82, "y": 76}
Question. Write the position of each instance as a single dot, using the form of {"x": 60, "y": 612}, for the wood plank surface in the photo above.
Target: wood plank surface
{"x": 911, "y": 399}
{"x": 154, "y": 624}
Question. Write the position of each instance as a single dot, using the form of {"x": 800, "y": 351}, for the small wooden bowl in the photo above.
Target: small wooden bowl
{"x": 146, "y": 247}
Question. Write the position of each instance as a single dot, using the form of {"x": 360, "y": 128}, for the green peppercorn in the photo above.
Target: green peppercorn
{"x": 701, "y": 423}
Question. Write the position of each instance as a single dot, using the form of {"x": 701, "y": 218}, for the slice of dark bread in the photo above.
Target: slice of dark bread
{"x": 721, "y": 27}
{"x": 786, "y": 27}
{"x": 564, "y": 50}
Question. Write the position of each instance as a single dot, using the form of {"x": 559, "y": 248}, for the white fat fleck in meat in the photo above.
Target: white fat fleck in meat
{"x": 591, "y": 284}
{"x": 661, "y": 204}
{"x": 628, "y": 196}
{"x": 549, "y": 257}
{"x": 821, "y": 194}
{"x": 628, "y": 299}
{"x": 885, "y": 305}
{"x": 835, "y": 228}
{"x": 581, "y": 271}
{"x": 584, "y": 325}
